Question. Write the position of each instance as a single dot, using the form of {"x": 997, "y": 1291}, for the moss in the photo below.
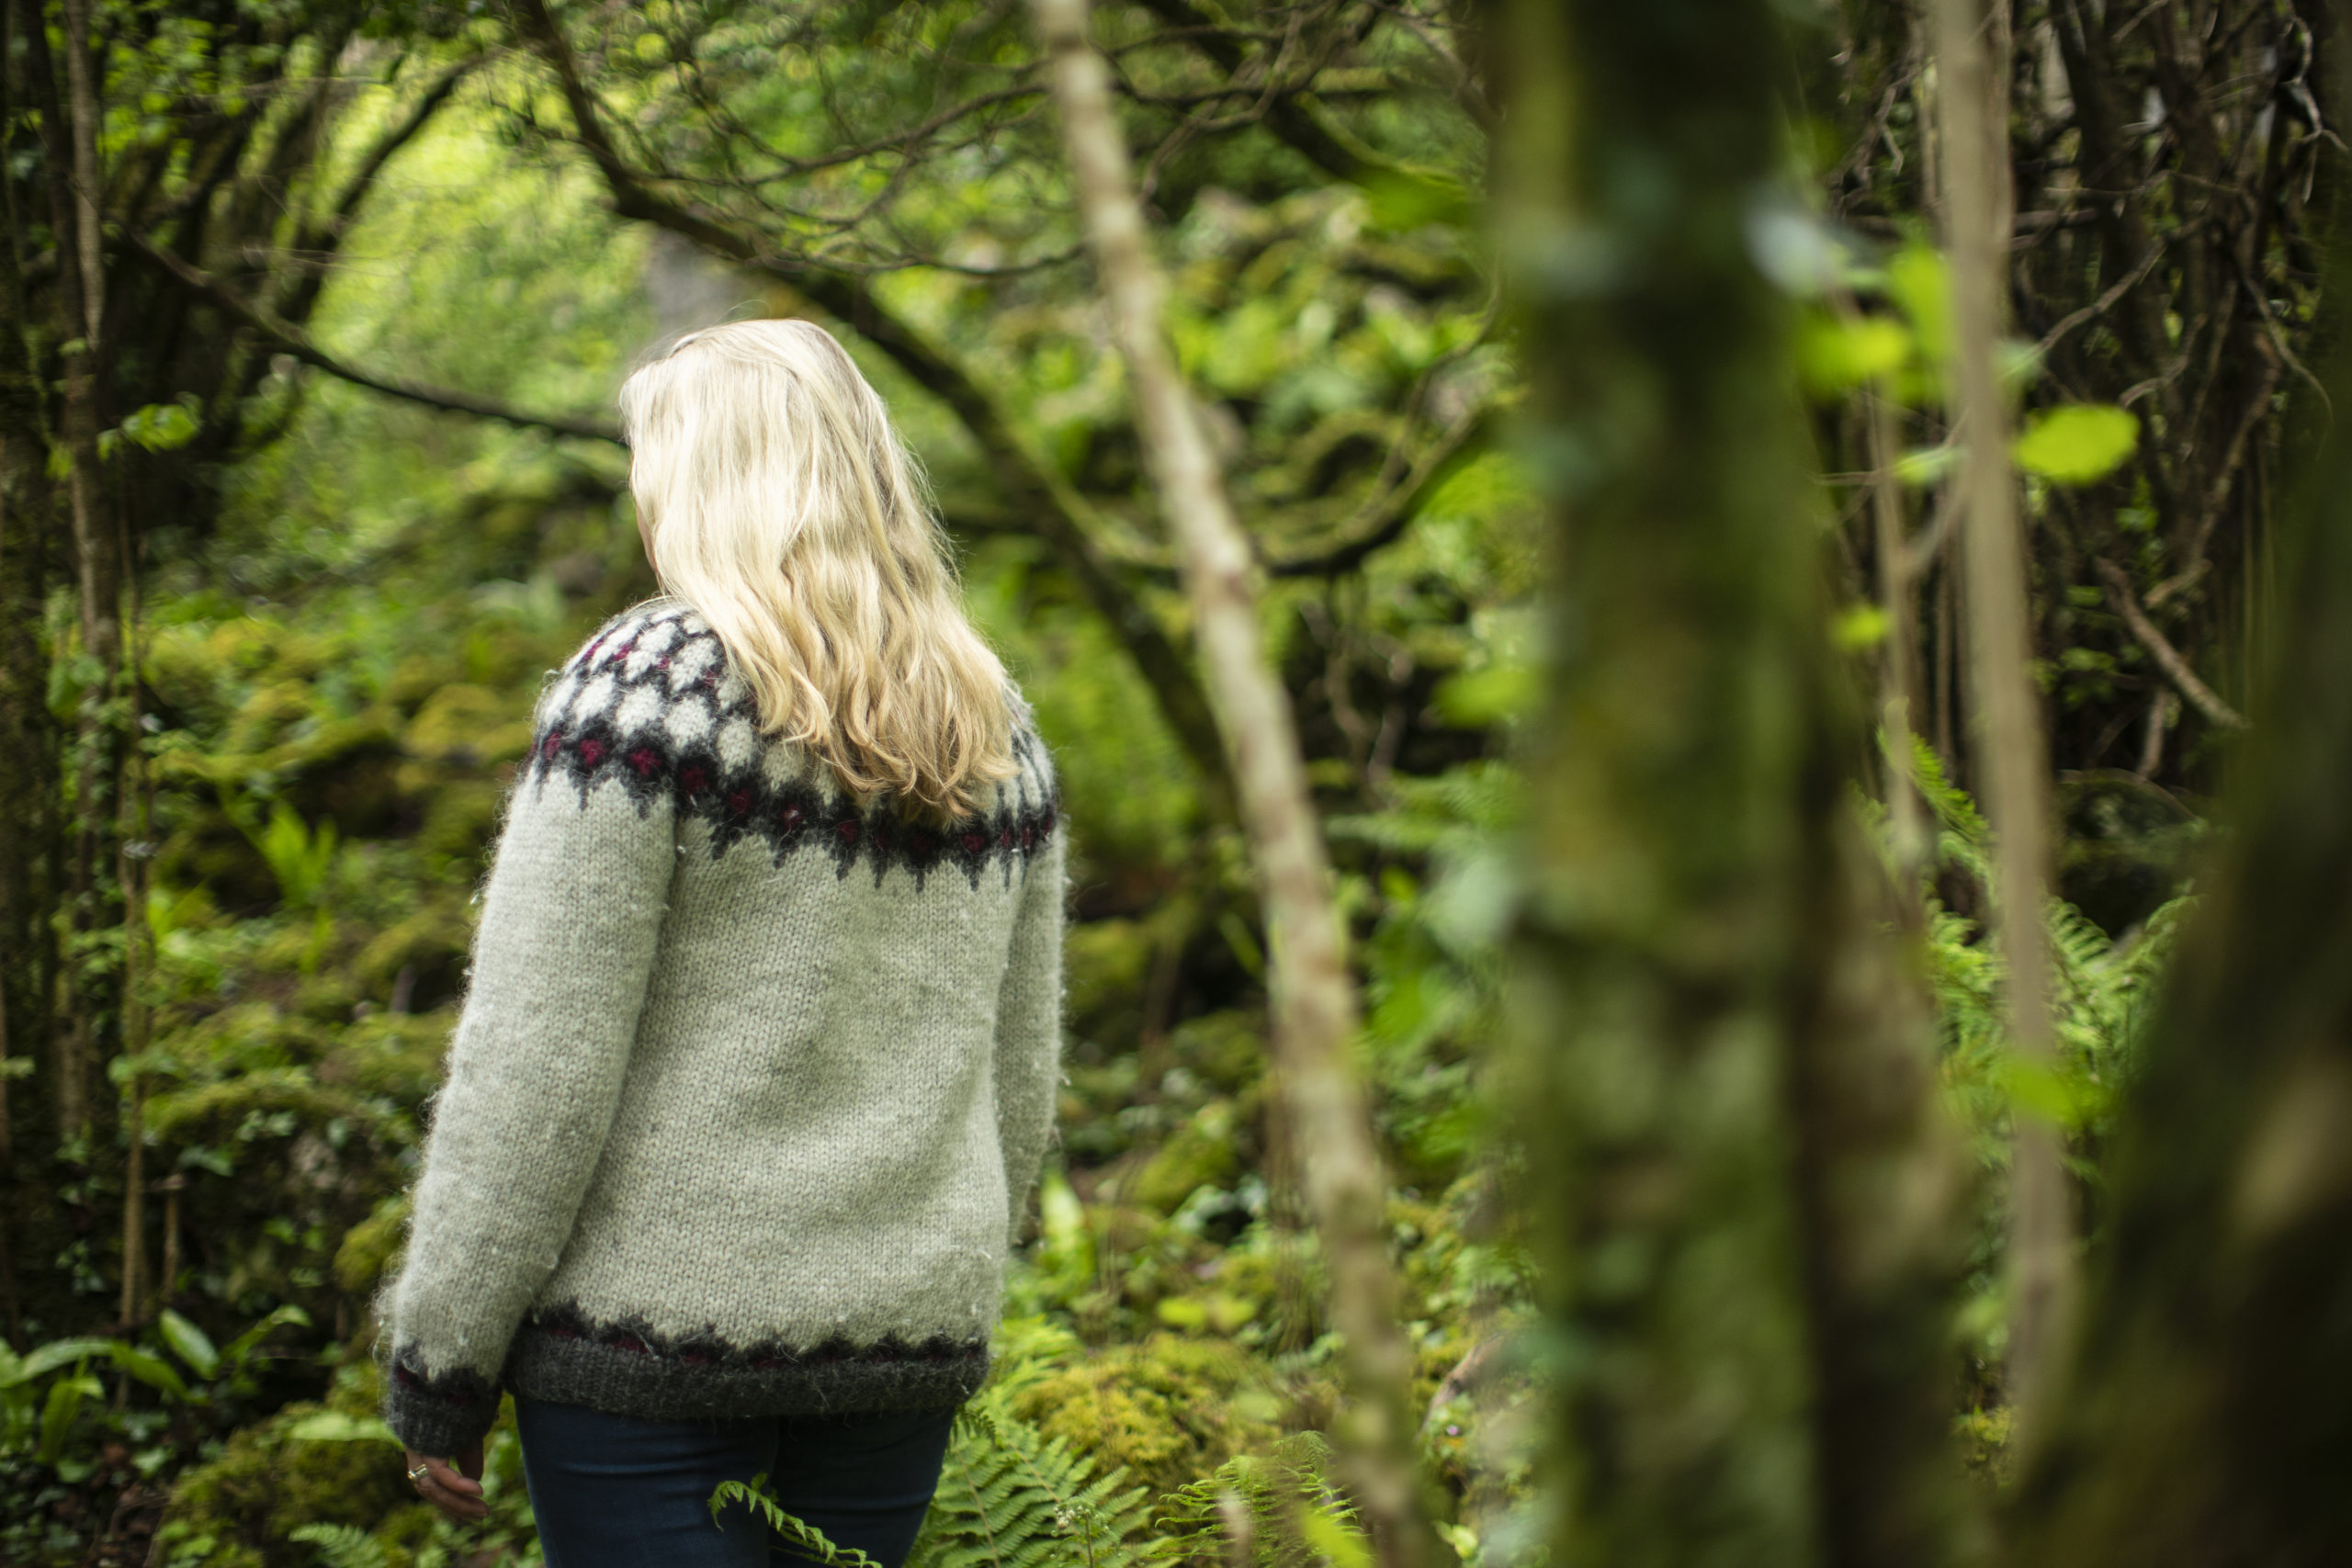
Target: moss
{"x": 1104, "y": 963}
{"x": 269, "y": 1483}
{"x": 430, "y": 944}
{"x": 370, "y": 1247}
{"x": 1203, "y": 1153}
{"x": 469, "y": 725}
{"x": 1170, "y": 1409}
{"x": 1227, "y": 1049}
{"x": 461, "y": 818}
{"x": 1984, "y": 1444}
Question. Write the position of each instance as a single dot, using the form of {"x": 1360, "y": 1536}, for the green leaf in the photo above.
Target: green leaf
{"x": 1499, "y": 691}
{"x": 2078, "y": 443}
{"x": 1397, "y": 201}
{"x": 1925, "y": 465}
{"x": 151, "y": 1369}
{"x": 1834, "y": 356}
{"x": 160, "y": 427}
{"x": 336, "y": 1426}
{"x": 1334, "y": 1540}
{"x": 1921, "y": 285}
{"x": 1858, "y": 629}
{"x": 189, "y": 1343}
{"x": 242, "y": 1345}
{"x": 46, "y": 1359}
{"x": 65, "y": 1397}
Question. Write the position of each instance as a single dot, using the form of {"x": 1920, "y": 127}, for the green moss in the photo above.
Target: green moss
{"x": 1104, "y": 963}
{"x": 462, "y": 817}
{"x": 1227, "y": 1049}
{"x": 1170, "y": 1409}
{"x": 370, "y": 1247}
{"x": 1203, "y": 1153}
{"x": 469, "y": 725}
{"x": 268, "y": 1483}
{"x": 430, "y": 944}
{"x": 1984, "y": 1445}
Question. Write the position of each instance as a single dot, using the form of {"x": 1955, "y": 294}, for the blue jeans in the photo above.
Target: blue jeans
{"x": 616, "y": 1492}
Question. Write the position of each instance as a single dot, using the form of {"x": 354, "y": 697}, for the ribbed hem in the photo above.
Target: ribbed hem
{"x": 439, "y": 1417}
{"x": 626, "y": 1375}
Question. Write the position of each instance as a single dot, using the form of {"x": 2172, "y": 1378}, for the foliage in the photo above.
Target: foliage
{"x": 321, "y": 1481}
{"x": 348, "y": 603}
{"x": 1164, "y": 1411}
{"x": 62, "y": 1446}
{"x": 797, "y": 1537}
{"x": 1013, "y": 1497}
{"x": 1280, "y": 1509}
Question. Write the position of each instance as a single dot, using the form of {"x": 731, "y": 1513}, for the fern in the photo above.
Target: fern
{"x": 793, "y": 1534}
{"x": 1278, "y": 1510}
{"x": 342, "y": 1546}
{"x": 1010, "y": 1498}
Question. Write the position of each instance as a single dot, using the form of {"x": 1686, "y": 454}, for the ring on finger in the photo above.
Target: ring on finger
{"x": 419, "y": 1474}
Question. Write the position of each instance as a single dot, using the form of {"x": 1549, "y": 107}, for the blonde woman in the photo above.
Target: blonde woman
{"x": 756, "y": 1068}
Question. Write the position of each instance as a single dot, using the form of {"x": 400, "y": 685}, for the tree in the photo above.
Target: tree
{"x": 1739, "y": 1184}
{"x": 2200, "y": 1423}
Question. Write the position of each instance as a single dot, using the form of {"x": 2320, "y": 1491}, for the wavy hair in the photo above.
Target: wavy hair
{"x": 779, "y": 502}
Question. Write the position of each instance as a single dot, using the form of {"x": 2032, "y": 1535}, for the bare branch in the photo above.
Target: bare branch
{"x": 2202, "y": 697}
{"x": 296, "y": 342}
{"x": 1314, "y": 996}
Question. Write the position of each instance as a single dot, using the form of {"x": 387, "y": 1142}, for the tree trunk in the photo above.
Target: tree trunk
{"x": 2010, "y": 743}
{"x": 1735, "y": 1174}
{"x": 1314, "y": 1021}
{"x": 2205, "y": 1421}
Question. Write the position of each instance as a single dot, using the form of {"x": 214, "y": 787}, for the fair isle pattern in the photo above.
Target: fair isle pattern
{"x": 648, "y": 701}
{"x": 753, "y": 1079}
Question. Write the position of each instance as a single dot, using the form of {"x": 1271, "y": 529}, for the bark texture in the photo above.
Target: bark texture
{"x": 1741, "y": 1190}
{"x": 1315, "y": 1018}
{"x": 2015, "y": 752}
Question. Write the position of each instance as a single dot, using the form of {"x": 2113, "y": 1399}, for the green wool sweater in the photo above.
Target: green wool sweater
{"x": 751, "y": 1082}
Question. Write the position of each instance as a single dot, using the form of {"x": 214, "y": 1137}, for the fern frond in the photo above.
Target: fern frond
{"x": 1277, "y": 1510}
{"x": 1009, "y": 1497}
{"x": 342, "y": 1546}
{"x": 793, "y": 1533}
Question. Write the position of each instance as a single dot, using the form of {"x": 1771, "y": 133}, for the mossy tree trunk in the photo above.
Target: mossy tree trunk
{"x": 1741, "y": 1191}
{"x": 2205, "y": 1420}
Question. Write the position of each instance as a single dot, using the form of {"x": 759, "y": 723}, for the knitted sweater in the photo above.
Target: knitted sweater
{"x": 751, "y": 1085}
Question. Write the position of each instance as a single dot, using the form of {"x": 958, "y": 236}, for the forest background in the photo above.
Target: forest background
{"x": 1590, "y": 383}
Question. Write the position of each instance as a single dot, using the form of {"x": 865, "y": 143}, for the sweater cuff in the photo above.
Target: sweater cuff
{"x": 439, "y": 1417}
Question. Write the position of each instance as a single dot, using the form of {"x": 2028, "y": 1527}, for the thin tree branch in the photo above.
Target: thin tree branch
{"x": 293, "y": 340}
{"x": 2014, "y": 749}
{"x": 1388, "y": 515}
{"x": 2202, "y": 697}
{"x": 1314, "y": 995}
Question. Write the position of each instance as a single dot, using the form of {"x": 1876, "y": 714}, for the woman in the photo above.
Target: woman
{"x": 756, "y": 1068}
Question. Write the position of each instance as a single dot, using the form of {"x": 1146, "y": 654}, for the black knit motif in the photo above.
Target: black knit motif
{"x": 739, "y": 803}
{"x": 623, "y": 1366}
{"x": 634, "y": 1335}
{"x": 440, "y": 1416}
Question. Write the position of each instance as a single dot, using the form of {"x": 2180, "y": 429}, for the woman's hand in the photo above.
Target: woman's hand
{"x": 453, "y": 1487}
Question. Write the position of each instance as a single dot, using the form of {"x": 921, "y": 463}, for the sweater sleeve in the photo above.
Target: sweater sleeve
{"x": 569, "y": 920}
{"x": 1029, "y": 1009}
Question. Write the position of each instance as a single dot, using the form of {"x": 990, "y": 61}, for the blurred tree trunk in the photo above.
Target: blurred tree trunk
{"x": 1738, "y": 1179}
{"x": 2205, "y": 1421}
{"x": 2011, "y": 752}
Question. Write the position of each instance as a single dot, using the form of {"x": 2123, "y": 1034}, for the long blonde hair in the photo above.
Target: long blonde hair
{"x": 779, "y": 502}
